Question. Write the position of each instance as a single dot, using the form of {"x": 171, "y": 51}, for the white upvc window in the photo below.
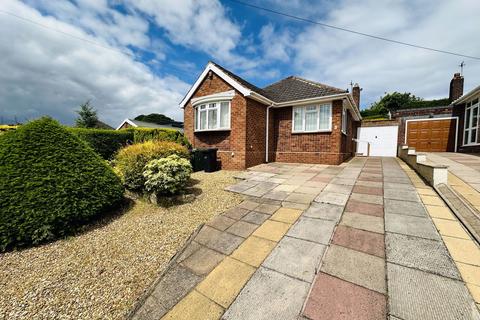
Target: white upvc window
{"x": 212, "y": 116}
{"x": 344, "y": 120}
{"x": 471, "y": 123}
{"x": 314, "y": 118}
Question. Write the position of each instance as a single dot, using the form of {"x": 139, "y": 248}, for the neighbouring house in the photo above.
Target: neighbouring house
{"x": 129, "y": 123}
{"x": 466, "y": 108}
{"x": 292, "y": 120}
{"x": 102, "y": 125}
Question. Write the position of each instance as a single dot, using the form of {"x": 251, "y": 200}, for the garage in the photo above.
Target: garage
{"x": 432, "y": 135}
{"x": 377, "y": 140}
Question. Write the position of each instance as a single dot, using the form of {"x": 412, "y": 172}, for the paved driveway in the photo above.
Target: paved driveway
{"x": 364, "y": 240}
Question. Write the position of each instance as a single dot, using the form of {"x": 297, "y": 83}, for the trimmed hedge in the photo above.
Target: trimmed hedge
{"x": 105, "y": 142}
{"x": 51, "y": 183}
{"x": 145, "y": 134}
{"x": 131, "y": 160}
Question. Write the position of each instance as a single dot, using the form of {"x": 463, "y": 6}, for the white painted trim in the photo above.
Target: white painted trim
{"x": 433, "y": 119}
{"x": 227, "y": 95}
{"x": 218, "y": 107}
{"x": 318, "y": 119}
{"x": 212, "y": 67}
{"x": 127, "y": 121}
{"x": 467, "y": 96}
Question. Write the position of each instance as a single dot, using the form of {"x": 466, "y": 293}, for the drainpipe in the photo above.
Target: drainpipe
{"x": 266, "y": 133}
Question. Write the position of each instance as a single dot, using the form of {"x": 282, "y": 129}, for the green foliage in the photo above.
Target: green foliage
{"x": 105, "y": 142}
{"x": 131, "y": 160}
{"x": 87, "y": 116}
{"x": 50, "y": 183}
{"x": 144, "y": 134}
{"x": 155, "y": 118}
{"x": 167, "y": 175}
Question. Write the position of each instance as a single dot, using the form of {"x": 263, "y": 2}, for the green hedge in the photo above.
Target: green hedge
{"x": 50, "y": 183}
{"x": 144, "y": 134}
{"x": 105, "y": 142}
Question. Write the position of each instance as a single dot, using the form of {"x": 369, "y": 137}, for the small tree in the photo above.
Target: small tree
{"x": 87, "y": 116}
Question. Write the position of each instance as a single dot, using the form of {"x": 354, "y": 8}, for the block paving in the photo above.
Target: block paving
{"x": 364, "y": 240}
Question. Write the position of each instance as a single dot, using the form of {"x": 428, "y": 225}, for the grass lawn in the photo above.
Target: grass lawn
{"x": 100, "y": 273}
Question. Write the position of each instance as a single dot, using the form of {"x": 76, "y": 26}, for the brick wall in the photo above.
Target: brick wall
{"x": 348, "y": 146}
{"x": 324, "y": 147}
{"x": 256, "y": 129}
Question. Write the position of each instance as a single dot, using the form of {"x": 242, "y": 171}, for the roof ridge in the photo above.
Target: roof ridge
{"x": 316, "y": 83}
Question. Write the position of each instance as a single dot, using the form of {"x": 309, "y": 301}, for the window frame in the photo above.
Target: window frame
{"x": 304, "y": 112}
{"x": 344, "y": 127}
{"x": 205, "y": 107}
{"x": 469, "y": 128}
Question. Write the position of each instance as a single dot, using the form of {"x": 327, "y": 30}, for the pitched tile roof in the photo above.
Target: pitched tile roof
{"x": 296, "y": 88}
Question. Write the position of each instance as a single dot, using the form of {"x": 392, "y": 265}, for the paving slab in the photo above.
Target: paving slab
{"x": 432, "y": 200}
{"x": 315, "y": 230}
{"x": 463, "y": 250}
{"x": 242, "y": 229}
{"x": 368, "y": 190}
{"x": 450, "y": 228}
{"x": 368, "y": 198}
{"x": 373, "y": 184}
{"x": 364, "y": 208}
{"x": 267, "y": 208}
{"x": 174, "y": 285}
{"x": 423, "y": 254}
{"x": 394, "y": 179}
{"x": 333, "y": 298}
{"x": 363, "y": 221}
{"x": 293, "y": 205}
{"x": 248, "y": 204}
{"x": 286, "y": 215}
{"x": 404, "y": 207}
{"x": 344, "y": 181}
{"x": 296, "y": 258}
{"x": 254, "y": 250}
{"x": 360, "y": 240}
{"x": 325, "y": 211}
{"x": 338, "y": 188}
{"x": 224, "y": 283}
{"x": 399, "y": 194}
{"x": 276, "y": 195}
{"x": 255, "y": 217}
{"x": 411, "y": 225}
{"x": 236, "y": 213}
{"x": 399, "y": 186}
{"x": 220, "y": 241}
{"x": 332, "y": 198}
{"x": 357, "y": 267}
{"x": 415, "y": 294}
{"x": 195, "y": 306}
{"x": 469, "y": 273}
{"x": 188, "y": 250}
{"x": 272, "y": 230}
{"x": 285, "y": 187}
{"x": 300, "y": 198}
{"x": 269, "y": 295}
{"x": 202, "y": 261}
{"x": 221, "y": 222}
{"x": 308, "y": 190}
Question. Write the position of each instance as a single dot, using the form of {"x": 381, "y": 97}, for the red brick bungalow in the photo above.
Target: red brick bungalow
{"x": 250, "y": 125}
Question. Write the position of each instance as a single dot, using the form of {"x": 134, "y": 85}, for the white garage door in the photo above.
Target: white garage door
{"x": 383, "y": 141}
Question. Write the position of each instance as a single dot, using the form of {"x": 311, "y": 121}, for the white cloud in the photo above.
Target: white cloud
{"x": 45, "y": 72}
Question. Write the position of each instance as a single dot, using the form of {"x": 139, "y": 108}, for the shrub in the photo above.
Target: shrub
{"x": 105, "y": 142}
{"x": 131, "y": 160}
{"x": 144, "y": 134}
{"x": 167, "y": 175}
{"x": 51, "y": 182}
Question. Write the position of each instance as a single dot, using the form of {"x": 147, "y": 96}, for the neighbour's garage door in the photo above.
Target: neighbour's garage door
{"x": 382, "y": 141}
{"x": 431, "y": 135}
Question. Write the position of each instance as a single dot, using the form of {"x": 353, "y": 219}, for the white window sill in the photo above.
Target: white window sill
{"x": 316, "y": 131}
{"x": 213, "y": 130}
{"x": 471, "y": 145}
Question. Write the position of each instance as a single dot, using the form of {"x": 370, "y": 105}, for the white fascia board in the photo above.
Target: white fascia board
{"x": 467, "y": 96}
{"x": 127, "y": 121}
{"x": 258, "y": 97}
{"x": 226, "y": 95}
{"x": 211, "y": 67}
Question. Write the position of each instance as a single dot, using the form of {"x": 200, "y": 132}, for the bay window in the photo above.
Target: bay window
{"x": 212, "y": 116}
{"x": 314, "y": 118}
{"x": 471, "y": 123}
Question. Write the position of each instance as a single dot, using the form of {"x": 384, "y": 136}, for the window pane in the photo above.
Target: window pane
{"x": 325, "y": 115}
{"x": 344, "y": 120}
{"x": 195, "y": 118}
{"x": 475, "y": 117}
{"x": 473, "y": 136}
{"x": 297, "y": 119}
{"x": 467, "y": 120}
{"x": 224, "y": 115}
{"x": 212, "y": 119}
{"x": 465, "y": 137}
{"x": 311, "y": 120}
{"x": 203, "y": 119}
{"x": 474, "y": 102}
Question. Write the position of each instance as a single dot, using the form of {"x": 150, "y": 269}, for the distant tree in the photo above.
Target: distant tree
{"x": 87, "y": 116}
{"x": 391, "y": 102}
{"x": 155, "y": 118}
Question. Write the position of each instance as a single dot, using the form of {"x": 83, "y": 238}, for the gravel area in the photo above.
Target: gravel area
{"x": 99, "y": 274}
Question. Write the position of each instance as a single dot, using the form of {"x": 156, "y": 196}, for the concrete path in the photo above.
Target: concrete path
{"x": 356, "y": 241}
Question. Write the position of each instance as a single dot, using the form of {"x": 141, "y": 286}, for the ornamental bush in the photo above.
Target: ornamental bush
{"x": 144, "y": 134}
{"x": 51, "y": 183}
{"x": 131, "y": 160}
{"x": 105, "y": 142}
{"x": 167, "y": 175}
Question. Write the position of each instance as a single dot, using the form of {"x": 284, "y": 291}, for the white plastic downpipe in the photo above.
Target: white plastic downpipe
{"x": 266, "y": 133}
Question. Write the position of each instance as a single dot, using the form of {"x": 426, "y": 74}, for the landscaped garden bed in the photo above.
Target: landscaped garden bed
{"x": 99, "y": 273}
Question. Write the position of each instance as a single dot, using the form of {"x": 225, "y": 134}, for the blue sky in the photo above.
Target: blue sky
{"x": 147, "y": 53}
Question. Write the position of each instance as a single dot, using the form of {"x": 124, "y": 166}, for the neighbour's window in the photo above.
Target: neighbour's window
{"x": 212, "y": 116}
{"x": 312, "y": 118}
{"x": 344, "y": 120}
{"x": 471, "y": 122}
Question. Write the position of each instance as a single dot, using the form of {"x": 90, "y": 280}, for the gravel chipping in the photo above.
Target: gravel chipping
{"x": 100, "y": 273}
